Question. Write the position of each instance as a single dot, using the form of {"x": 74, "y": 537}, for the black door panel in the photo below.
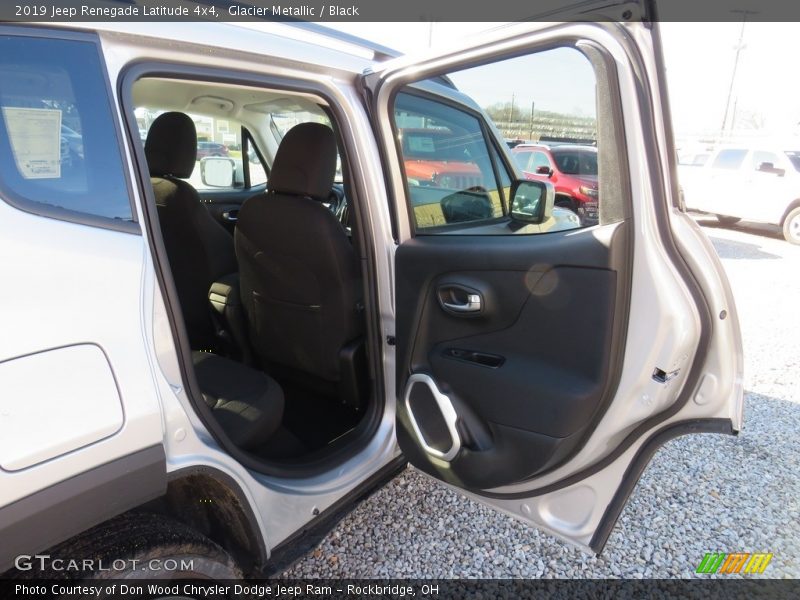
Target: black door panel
{"x": 528, "y": 375}
{"x": 556, "y": 354}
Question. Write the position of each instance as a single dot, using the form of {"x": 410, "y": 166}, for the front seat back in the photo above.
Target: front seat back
{"x": 199, "y": 249}
{"x": 299, "y": 273}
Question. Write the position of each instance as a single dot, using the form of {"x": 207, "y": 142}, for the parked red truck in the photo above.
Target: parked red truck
{"x": 571, "y": 169}
{"x": 424, "y": 151}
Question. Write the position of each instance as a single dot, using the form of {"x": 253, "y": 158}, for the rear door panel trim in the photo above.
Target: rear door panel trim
{"x": 58, "y": 512}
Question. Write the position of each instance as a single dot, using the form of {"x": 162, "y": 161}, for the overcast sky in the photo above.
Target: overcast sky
{"x": 699, "y": 57}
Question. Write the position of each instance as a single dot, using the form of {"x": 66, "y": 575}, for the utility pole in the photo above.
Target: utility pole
{"x": 511, "y": 114}
{"x": 740, "y": 45}
{"x": 530, "y": 124}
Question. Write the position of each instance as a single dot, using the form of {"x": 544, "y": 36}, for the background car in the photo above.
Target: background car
{"x": 571, "y": 169}
{"x": 205, "y": 149}
{"x": 760, "y": 184}
{"x": 436, "y": 157}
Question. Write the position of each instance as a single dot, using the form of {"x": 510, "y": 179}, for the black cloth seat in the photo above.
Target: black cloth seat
{"x": 199, "y": 249}
{"x": 299, "y": 274}
{"x": 247, "y": 403}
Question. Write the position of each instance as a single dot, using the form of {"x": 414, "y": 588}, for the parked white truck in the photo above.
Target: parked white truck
{"x": 756, "y": 184}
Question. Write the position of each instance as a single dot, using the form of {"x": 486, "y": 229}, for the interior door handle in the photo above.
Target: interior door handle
{"x": 231, "y": 215}
{"x": 472, "y": 305}
{"x": 460, "y": 300}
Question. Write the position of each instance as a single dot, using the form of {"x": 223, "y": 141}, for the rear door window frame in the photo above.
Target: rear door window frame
{"x": 65, "y": 214}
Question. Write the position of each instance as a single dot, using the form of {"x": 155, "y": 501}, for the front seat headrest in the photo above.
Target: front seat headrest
{"x": 305, "y": 164}
{"x": 171, "y": 146}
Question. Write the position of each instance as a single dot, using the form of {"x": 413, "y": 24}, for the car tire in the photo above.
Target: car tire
{"x": 141, "y": 546}
{"x": 727, "y": 220}
{"x": 791, "y": 226}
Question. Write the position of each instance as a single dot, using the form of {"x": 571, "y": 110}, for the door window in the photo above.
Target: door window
{"x": 539, "y": 159}
{"x": 58, "y": 142}
{"x": 523, "y": 158}
{"x": 450, "y": 172}
{"x": 458, "y": 174}
{"x": 760, "y": 157}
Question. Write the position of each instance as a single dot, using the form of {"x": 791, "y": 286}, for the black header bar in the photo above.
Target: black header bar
{"x": 322, "y": 11}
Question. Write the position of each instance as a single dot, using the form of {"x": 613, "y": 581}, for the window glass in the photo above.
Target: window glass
{"x": 539, "y": 160}
{"x": 794, "y": 157}
{"x": 258, "y": 172}
{"x": 760, "y": 157}
{"x": 216, "y": 138}
{"x": 576, "y": 161}
{"x": 694, "y": 160}
{"x": 523, "y": 159}
{"x": 447, "y": 164}
{"x": 729, "y": 159}
{"x": 547, "y": 118}
{"x": 504, "y": 177}
{"x": 58, "y": 141}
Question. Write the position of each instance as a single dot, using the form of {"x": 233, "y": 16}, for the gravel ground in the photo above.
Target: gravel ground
{"x": 699, "y": 494}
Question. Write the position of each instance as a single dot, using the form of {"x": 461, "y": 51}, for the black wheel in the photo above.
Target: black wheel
{"x": 791, "y": 226}
{"x": 138, "y": 546}
{"x": 726, "y": 220}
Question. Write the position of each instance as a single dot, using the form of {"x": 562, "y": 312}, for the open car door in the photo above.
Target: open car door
{"x": 540, "y": 364}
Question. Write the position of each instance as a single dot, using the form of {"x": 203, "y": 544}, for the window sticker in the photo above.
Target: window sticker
{"x": 35, "y": 135}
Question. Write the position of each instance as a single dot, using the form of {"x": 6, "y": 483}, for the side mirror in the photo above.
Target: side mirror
{"x": 532, "y": 201}
{"x": 768, "y": 167}
{"x": 217, "y": 171}
{"x": 544, "y": 170}
{"x": 466, "y": 205}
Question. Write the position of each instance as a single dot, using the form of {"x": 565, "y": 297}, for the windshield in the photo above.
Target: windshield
{"x": 576, "y": 162}
{"x": 281, "y": 122}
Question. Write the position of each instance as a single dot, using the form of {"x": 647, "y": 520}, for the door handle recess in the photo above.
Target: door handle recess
{"x": 460, "y": 300}
{"x": 231, "y": 215}
{"x": 473, "y": 304}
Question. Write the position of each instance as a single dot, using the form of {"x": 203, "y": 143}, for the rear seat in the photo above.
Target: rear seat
{"x": 248, "y": 404}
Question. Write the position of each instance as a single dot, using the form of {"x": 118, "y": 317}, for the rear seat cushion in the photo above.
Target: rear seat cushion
{"x": 247, "y": 403}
